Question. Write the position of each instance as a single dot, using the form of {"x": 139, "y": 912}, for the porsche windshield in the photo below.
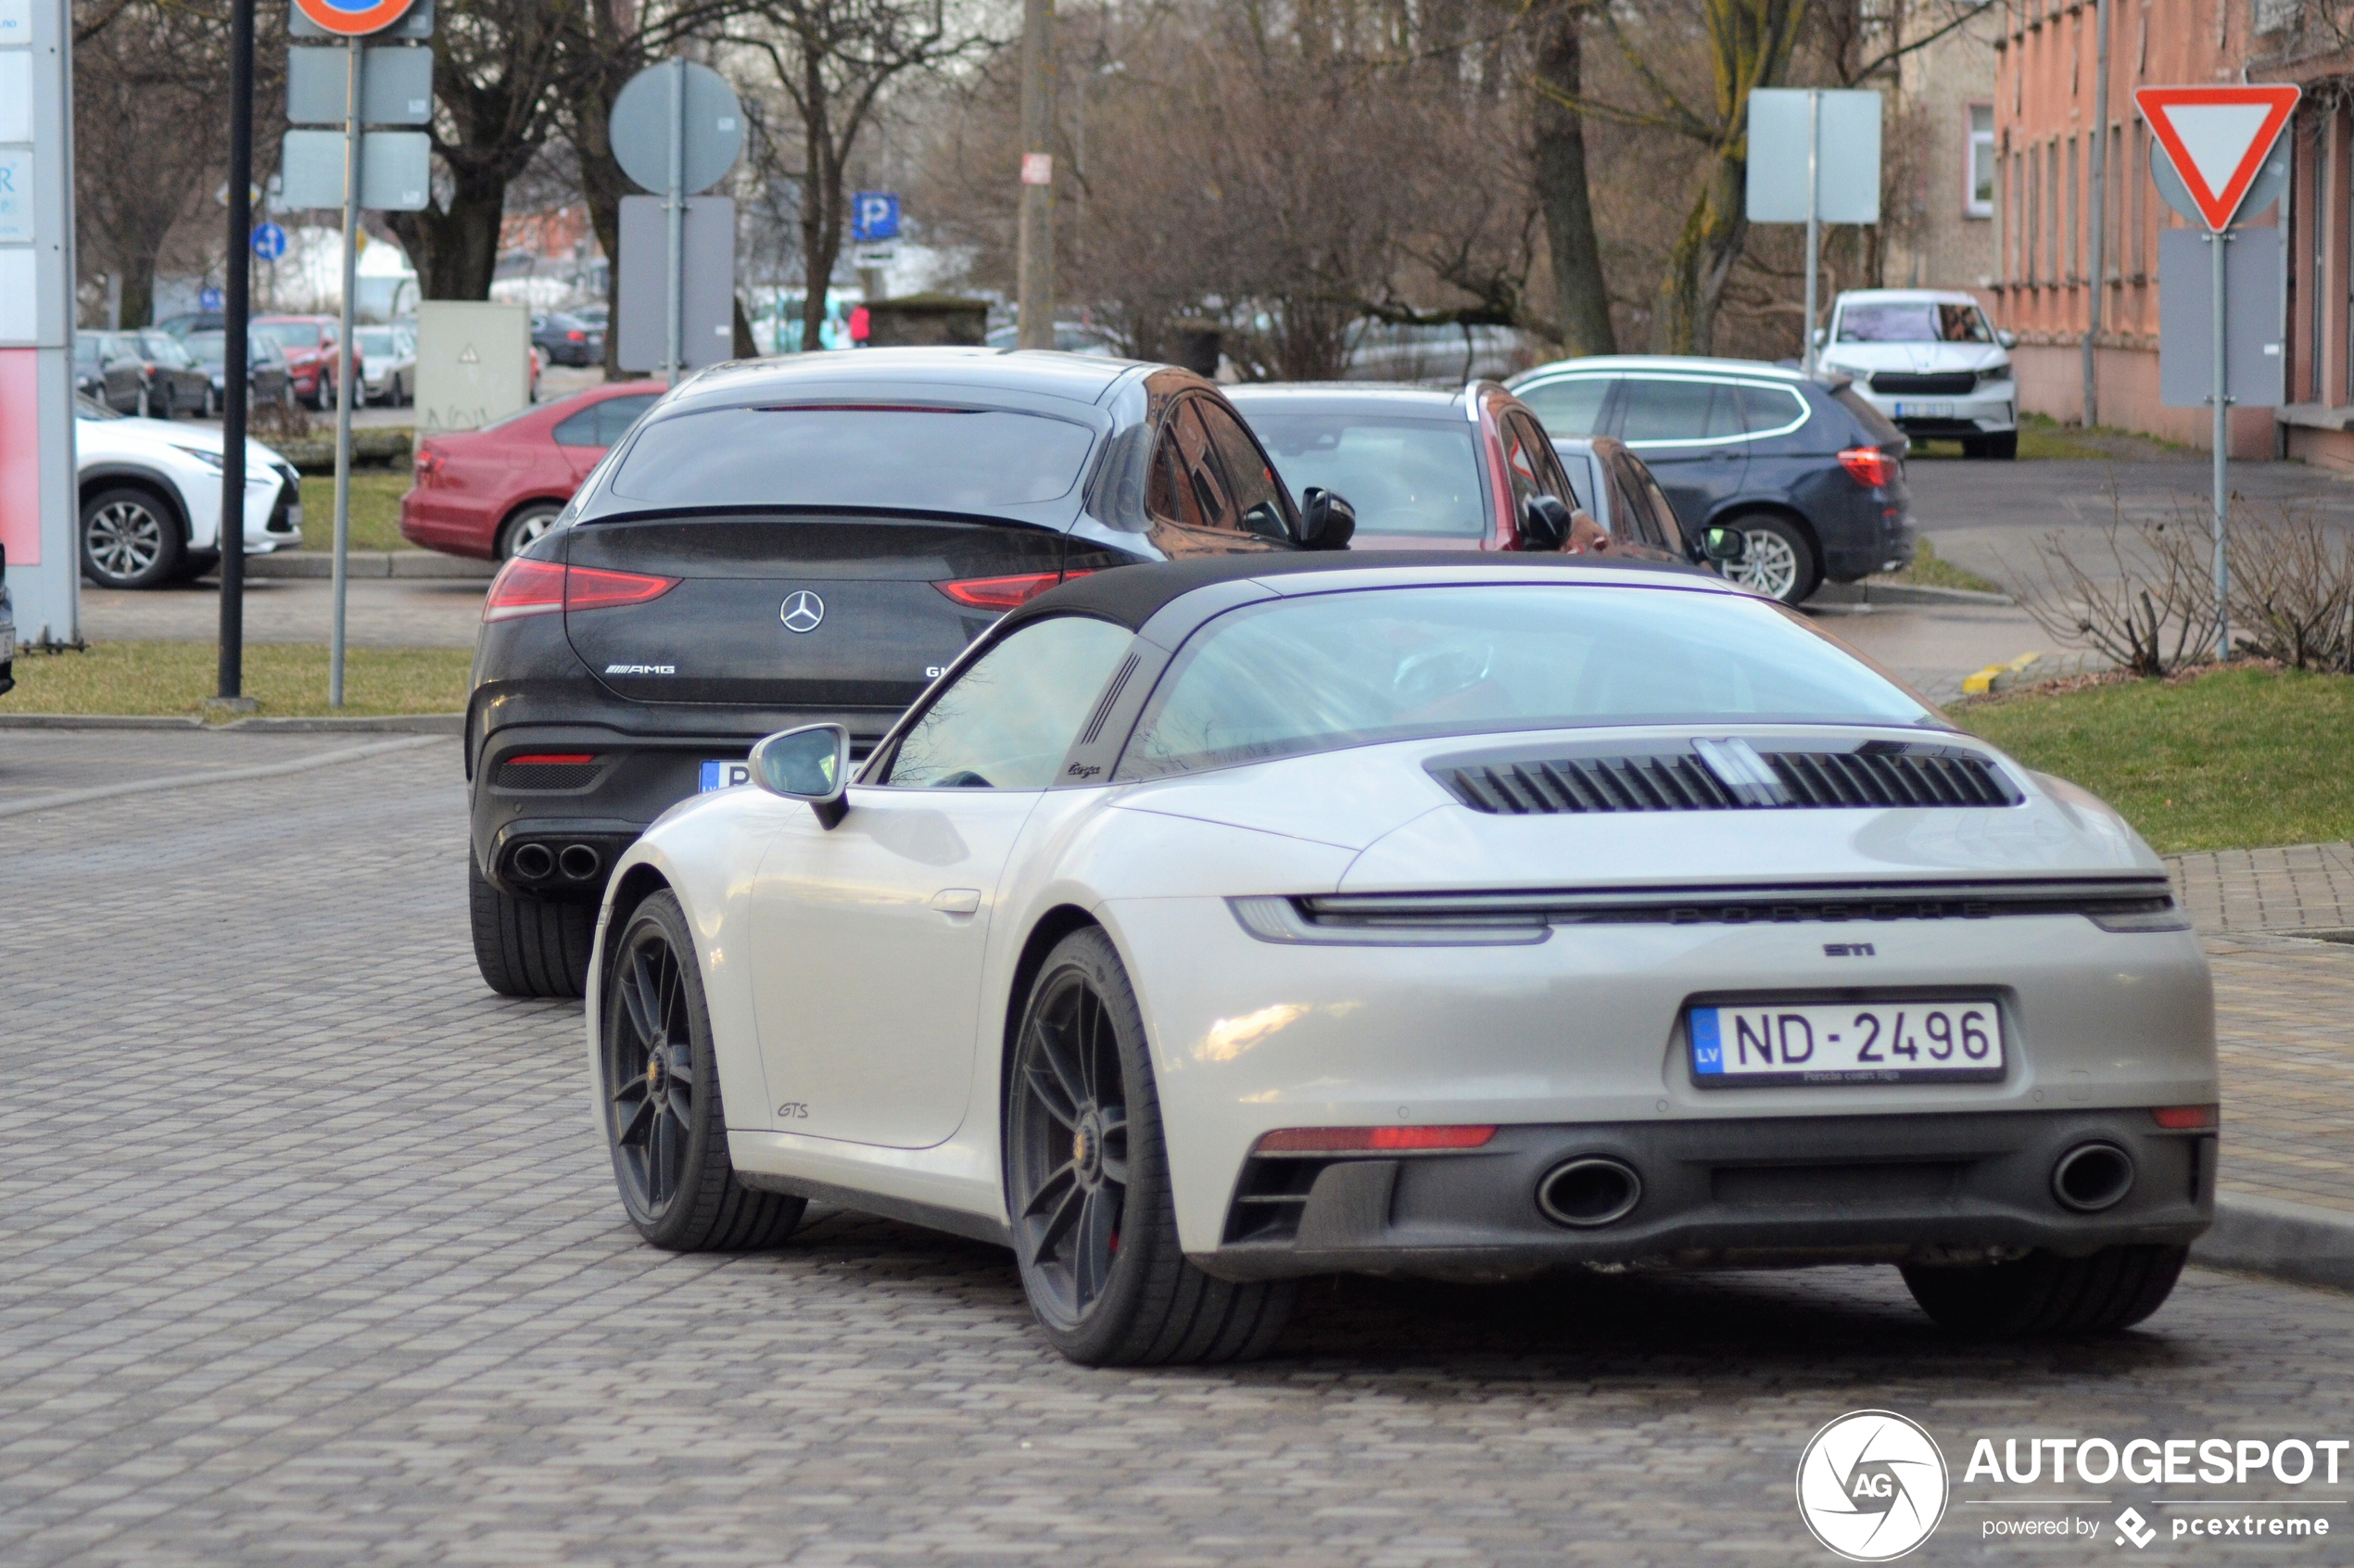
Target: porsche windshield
{"x": 1312, "y": 673}
{"x": 851, "y": 454}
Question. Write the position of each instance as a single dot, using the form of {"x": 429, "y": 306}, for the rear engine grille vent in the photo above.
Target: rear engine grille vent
{"x": 1946, "y": 384}
{"x": 1728, "y": 776}
{"x": 528, "y": 773}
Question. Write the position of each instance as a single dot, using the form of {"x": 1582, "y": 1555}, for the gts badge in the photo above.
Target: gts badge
{"x": 1847, "y": 950}
{"x": 641, "y": 669}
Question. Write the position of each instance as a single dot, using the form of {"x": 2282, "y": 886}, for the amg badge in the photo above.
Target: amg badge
{"x": 641, "y": 669}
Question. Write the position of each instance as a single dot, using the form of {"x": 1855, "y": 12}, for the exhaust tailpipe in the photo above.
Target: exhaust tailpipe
{"x": 533, "y": 861}
{"x": 2091, "y": 1177}
{"x": 1589, "y": 1191}
{"x": 580, "y": 862}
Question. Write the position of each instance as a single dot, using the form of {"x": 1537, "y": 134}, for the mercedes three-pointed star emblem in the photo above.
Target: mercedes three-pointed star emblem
{"x": 802, "y": 611}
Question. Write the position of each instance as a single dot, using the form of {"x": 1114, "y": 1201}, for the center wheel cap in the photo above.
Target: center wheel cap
{"x": 654, "y": 1073}
{"x": 1087, "y": 1147}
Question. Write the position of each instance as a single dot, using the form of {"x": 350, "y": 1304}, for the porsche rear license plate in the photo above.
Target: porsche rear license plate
{"x": 1924, "y": 410}
{"x": 1913, "y": 1042}
{"x": 725, "y": 774}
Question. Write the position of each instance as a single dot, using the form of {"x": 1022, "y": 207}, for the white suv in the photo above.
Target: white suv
{"x": 151, "y": 498}
{"x": 1930, "y": 360}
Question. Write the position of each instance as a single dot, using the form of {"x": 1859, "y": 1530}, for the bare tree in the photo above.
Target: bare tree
{"x": 833, "y": 60}
{"x": 497, "y": 65}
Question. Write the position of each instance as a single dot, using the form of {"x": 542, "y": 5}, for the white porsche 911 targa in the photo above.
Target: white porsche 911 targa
{"x": 1212, "y": 924}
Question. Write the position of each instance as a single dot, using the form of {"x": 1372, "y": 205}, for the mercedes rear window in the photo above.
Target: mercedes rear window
{"x": 898, "y": 457}
{"x": 1324, "y": 671}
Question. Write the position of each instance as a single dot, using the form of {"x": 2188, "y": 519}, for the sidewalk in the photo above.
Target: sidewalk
{"x": 2284, "y": 1040}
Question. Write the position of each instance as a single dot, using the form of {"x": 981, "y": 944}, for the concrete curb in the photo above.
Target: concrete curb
{"x": 414, "y": 563}
{"x": 220, "y": 775}
{"x": 394, "y": 724}
{"x": 1869, "y": 592}
{"x": 2287, "y": 1240}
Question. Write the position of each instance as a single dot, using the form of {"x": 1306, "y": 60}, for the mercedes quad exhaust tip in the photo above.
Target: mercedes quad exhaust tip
{"x": 2091, "y": 1177}
{"x": 1589, "y": 1191}
{"x": 533, "y": 861}
{"x": 580, "y": 862}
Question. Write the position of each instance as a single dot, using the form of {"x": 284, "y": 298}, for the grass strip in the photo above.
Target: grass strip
{"x": 1931, "y": 570}
{"x": 289, "y": 680}
{"x": 2233, "y": 759}
{"x": 375, "y": 509}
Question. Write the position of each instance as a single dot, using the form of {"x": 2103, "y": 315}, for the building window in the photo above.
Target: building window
{"x": 2075, "y": 219}
{"x": 1979, "y": 201}
{"x": 2137, "y": 180}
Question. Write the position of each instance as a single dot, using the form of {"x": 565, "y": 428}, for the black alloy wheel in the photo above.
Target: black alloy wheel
{"x": 1070, "y": 1148}
{"x": 1087, "y": 1184}
{"x": 660, "y": 1089}
{"x": 2045, "y": 1294}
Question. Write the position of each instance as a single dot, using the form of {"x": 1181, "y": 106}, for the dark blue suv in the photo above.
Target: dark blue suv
{"x": 1811, "y": 472}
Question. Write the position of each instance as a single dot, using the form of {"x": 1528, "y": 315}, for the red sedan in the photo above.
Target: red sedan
{"x": 490, "y": 492}
{"x": 312, "y": 348}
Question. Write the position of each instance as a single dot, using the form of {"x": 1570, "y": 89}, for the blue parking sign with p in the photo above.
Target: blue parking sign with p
{"x": 874, "y": 215}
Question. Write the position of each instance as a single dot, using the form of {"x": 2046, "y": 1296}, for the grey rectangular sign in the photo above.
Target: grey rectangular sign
{"x": 395, "y": 86}
{"x": 396, "y": 170}
{"x": 1847, "y": 171}
{"x": 415, "y": 23}
{"x": 2252, "y": 359}
{"x": 641, "y": 325}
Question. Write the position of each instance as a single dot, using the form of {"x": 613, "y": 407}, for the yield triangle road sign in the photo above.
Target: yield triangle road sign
{"x": 2216, "y": 138}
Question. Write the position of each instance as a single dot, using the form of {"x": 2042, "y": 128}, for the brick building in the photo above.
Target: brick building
{"x": 2046, "y": 120}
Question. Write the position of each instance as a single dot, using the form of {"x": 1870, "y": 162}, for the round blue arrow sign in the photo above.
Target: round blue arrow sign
{"x": 269, "y": 242}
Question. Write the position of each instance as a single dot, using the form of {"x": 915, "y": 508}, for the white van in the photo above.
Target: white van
{"x": 1930, "y": 360}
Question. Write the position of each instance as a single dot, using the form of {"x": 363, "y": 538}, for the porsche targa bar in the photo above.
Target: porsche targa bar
{"x": 1212, "y": 924}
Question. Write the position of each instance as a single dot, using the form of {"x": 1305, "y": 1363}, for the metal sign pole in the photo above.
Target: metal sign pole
{"x": 2223, "y": 435}
{"x": 1814, "y": 208}
{"x": 675, "y": 221}
{"x": 237, "y": 305}
{"x": 344, "y": 377}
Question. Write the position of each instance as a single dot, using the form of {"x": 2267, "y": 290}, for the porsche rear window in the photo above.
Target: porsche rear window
{"x": 1288, "y": 677}
{"x": 848, "y": 454}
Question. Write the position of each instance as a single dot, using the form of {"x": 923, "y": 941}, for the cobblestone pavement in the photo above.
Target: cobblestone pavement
{"x": 2284, "y": 1013}
{"x": 308, "y": 1255}
{"x": 2298, "y": 888}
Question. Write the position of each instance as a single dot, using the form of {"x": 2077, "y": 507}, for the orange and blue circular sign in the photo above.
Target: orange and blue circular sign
{"x": 353, "y": 19}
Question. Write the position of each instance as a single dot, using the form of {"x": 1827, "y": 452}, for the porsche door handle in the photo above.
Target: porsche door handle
{"x": 956, "y": 900}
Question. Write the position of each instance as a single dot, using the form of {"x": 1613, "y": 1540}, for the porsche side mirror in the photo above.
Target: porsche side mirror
{"x": 1326, "y": 520}
{"x": 1726, "y": 547}
{"x": 1545, "y": 523}
{"x": 810, "y": 764}
{"x": 2006, "y": 337}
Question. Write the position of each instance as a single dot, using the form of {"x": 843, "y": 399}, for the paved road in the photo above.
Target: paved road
{"x": 378, "y": 612}
{"x": 1991, "y": 516}
{"x": 307, "y": 1256}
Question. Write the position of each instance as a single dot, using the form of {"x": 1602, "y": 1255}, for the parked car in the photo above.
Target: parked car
{"x": 150, "y": 497}
{"x": 1430, "y": 470}
{"x": 1930, "y": 362}
{"x": 490, "y": 492}
{"x": 7, "y": 628}
{"x": 1070, "y": 337}
{"x": 566, "y": 339}
{"x": 1805, "y": 468}
{"x": 181, "y": 325}
{"x": 310, "y": 344}
{"x": 1623, "y": 496}
{"x": 389, "y": 357}
{"x": 266, "y": 378}
{"x": 1206, "y": 928}
{"x": 1446, "y": 355}
{"x": 812, "y": 537}
{"x": 145, "y": 372}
